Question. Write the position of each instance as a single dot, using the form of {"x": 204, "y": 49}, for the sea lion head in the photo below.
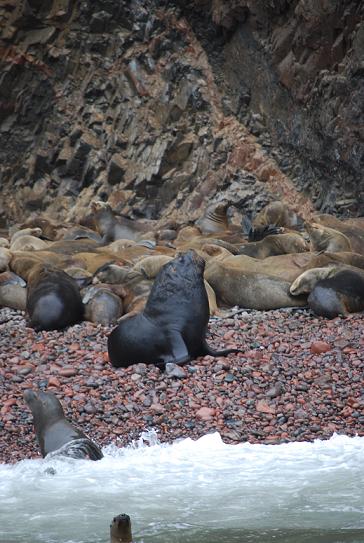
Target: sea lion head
{"x": 120, "y": 529}
{"x": 45, "y": 407}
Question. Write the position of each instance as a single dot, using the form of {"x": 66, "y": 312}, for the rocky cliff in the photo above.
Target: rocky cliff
{"x": 160, "y": 107}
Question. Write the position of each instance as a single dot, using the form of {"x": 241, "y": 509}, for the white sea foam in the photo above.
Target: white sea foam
{"x": 189, "y": 487}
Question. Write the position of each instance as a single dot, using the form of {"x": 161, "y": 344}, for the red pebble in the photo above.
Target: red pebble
{"x": 318, "y": 347}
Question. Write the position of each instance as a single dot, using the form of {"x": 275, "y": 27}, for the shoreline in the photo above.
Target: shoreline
{"x": 299, "y": 378}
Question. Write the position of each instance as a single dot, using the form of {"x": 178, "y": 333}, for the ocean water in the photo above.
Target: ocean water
{"x": 201, "y": 491}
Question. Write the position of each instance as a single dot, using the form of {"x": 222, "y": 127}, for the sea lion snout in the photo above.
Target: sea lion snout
{"x": 29, "y": 395}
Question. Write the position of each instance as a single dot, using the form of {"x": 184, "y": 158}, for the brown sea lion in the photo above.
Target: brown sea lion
{"x": 324, "y": 238}
{"x": 275, "y": 245}
{"x": 73, "y": 246}
{"x": 50, "y": 230}
{"x": 36, "y": 232}
{"x": 13, "y": 292}
{"x": 352, "y": 230}
{"x": 112, "y": 274}
{"x": 28, "y": 243}
{"x": 5, "y": 258}
{"x": 120, "y": 529}
{"x": 81, "y": 232}
{"x": 112, "y": 227}
{"x": 249, "y": 289}
{"x": 173, "y": 324}
{"x": 340, "y": 294}
{"x": 22, "y": 262}
{"x": 4, "y": 243}
{"x": 214, "y": 219}
{"x": 102, "y": 306}
{"x": 277, "y": 214}
{"x": 304, "y": 283}
{"x": 55, "y": 435}
{"x": 53, "y": 299}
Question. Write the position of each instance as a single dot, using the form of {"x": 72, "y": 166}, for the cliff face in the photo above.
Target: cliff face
{"x": 160, "y": 108}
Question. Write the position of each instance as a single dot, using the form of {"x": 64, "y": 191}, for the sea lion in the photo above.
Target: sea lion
{"x": 273, "y": 245}
{"x": 173, "y": 324}
{"x": 277, "y": 214}
{"x": 249, "y": 289}
{"x": 101, "y": 305}
{"x": 36, "y": 232}
{"x": 304, "y": 283}
{"x": 5, "y": 258}
{"x": 28, "y": 243}
{"x": 82, "y": 277}
{"x": 324, "y": 238}
{"x": 81, "y": 232}
{"x": 112, "y": 228}
{"x": 111, "y": 273}
{"x": 4, "y": 243}
{"x": 214, "y": 218}
{"x": 340, "y": 294}
{"x": 55, "y": 435}
{"x": 53, "y": 299}
{"x": 351, "y": 228}
{"x": 120, "y": 529}
{"x": 13, "y": 292}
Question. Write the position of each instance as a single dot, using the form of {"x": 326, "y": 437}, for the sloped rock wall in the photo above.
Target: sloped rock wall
{"x": 120, "y": 100}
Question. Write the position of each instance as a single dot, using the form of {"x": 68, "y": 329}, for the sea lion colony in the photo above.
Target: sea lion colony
{"x": 161, "y": 289}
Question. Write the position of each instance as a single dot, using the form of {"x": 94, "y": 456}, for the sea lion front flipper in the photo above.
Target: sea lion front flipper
{"x": 179, "y": 353}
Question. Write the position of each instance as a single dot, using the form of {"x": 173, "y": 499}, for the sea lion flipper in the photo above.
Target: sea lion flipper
{"x": 179, "y": 352}
{"x": 207, "y": 350}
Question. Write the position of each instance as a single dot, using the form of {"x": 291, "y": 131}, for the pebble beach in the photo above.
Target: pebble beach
{"x": 299, "y": 377}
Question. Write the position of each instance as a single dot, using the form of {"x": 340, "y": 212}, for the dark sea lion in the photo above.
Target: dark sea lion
{"x": 102, "y": 306}
{"x": 112, "y": 227}
{"x": 277, "y": 214}
{"x": 274, "y": 245}
{"x": 341, "y": 294}
{"x": 214, "y": 219}
{"x": 173, "y": 324}
{"x": 324, "y": 238}
{"x": 53, "y": 299}
{"x": 54, "y": 433}
{"x": 120, "y": 529}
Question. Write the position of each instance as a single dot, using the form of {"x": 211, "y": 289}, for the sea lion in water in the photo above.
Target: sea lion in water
{"x": 120, "y": 529}
{"x": 173, "y": 324}
{"x": 53, "y": 300}
{"x": 54, "y": 433}
{"x": 340, "y": 294}
{"x": 324, "y": 238}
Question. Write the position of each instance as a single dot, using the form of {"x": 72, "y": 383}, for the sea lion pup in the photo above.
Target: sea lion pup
{"x": 214, "y": 218}
{"x": 55, "y": 435}
{"x": 249, "y": 289}
{"x": 53, "y": 299}
{"x": 340, "y": 294}
{"x": 274, "y": 245}
{"x": 111, "y": 273}
{"x": 102, "y": 306}
{"x": 120, "y": 529}
{"x": 257, "y": 233}
{"x": 173, "y": 324}
{"x": 28, "y": 243}
{"x": 112, "y": 227}
{"x": 324, "y": 238}
{"x": 277, "y": 214}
